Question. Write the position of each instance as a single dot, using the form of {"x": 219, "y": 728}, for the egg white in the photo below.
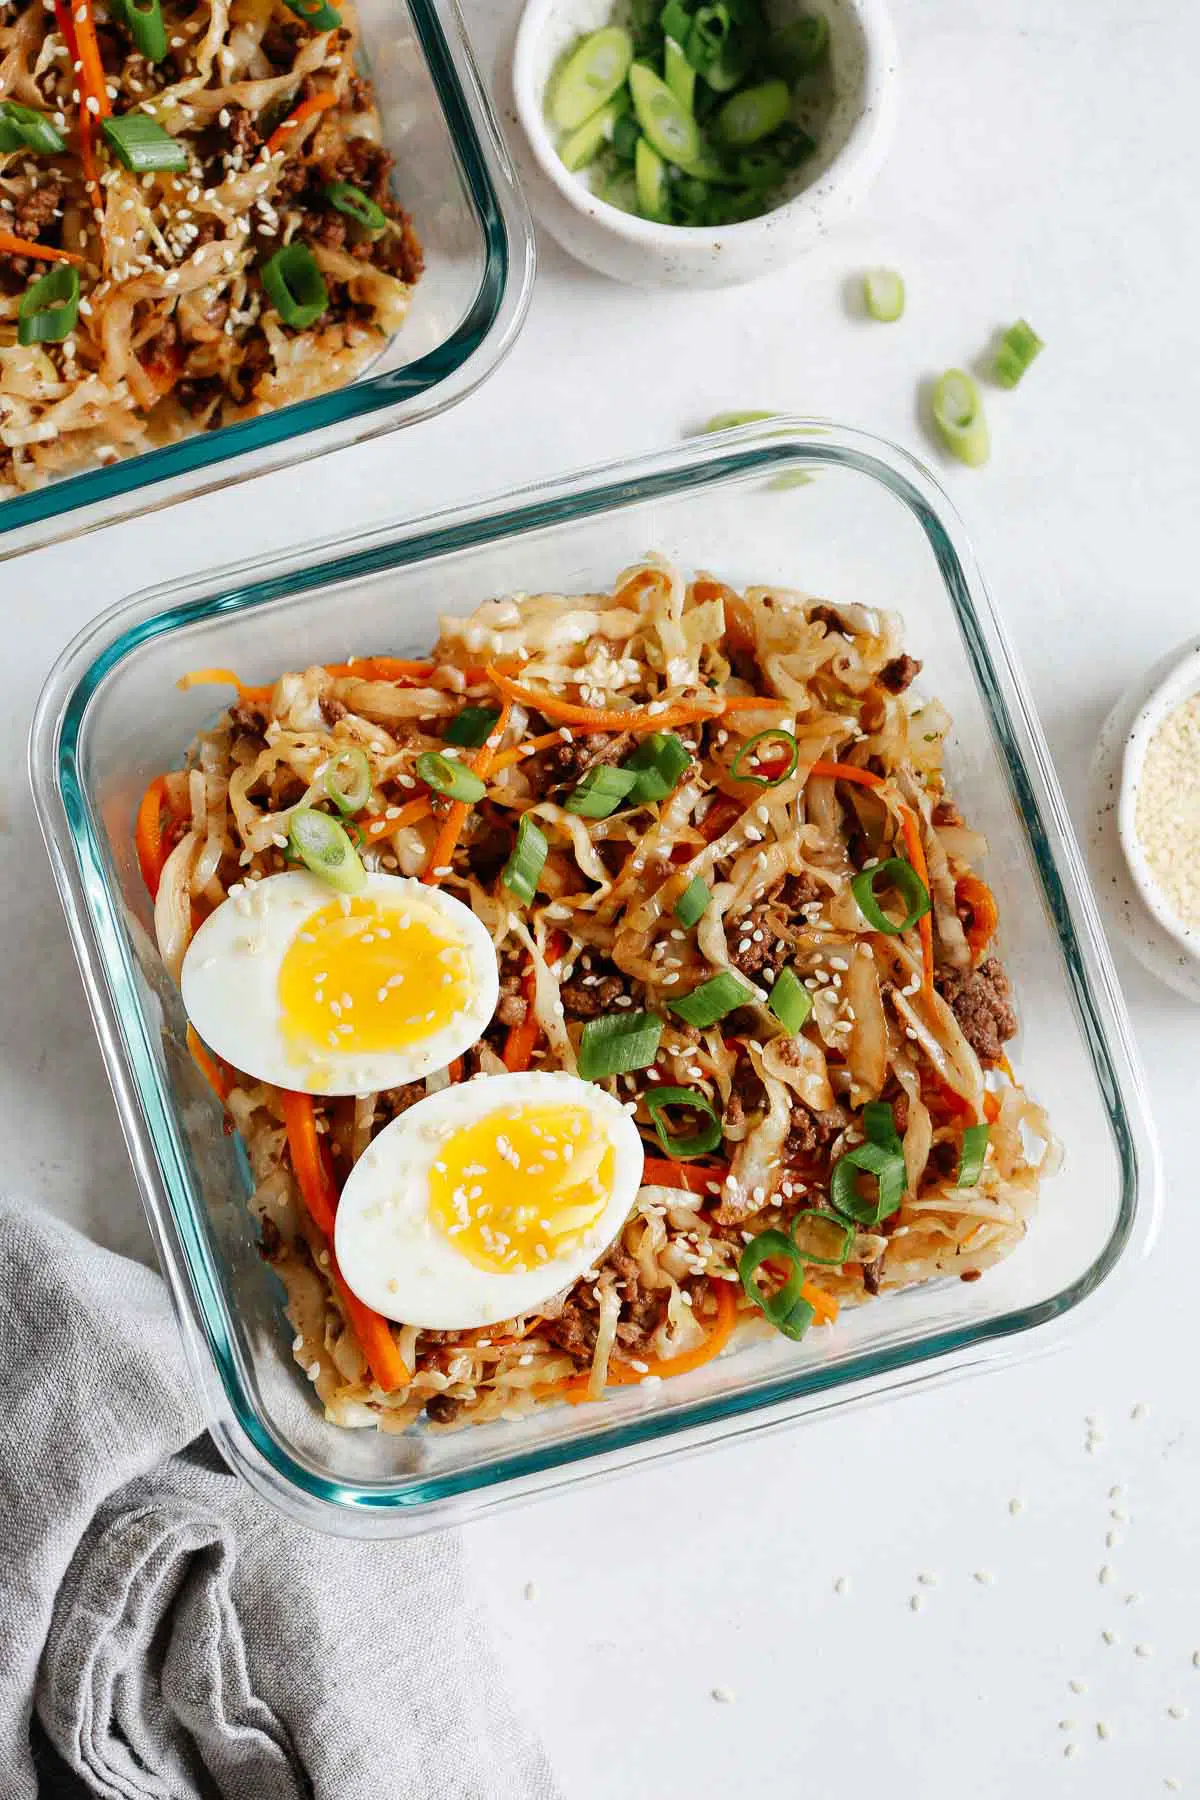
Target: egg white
{"x": 230, "y": 983}
{"x": 399, "y": 1263}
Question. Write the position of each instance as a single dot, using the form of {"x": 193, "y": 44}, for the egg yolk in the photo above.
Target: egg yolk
{"x": 361, "y": 977}
{"x": 521, "y": 1187}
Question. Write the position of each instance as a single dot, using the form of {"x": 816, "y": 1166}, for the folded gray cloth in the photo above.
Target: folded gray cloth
{"x": 176, "y": 1637}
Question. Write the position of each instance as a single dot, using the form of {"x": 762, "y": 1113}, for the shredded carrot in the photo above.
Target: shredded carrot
{"x": 991, "y": 1106}
{"x": 521, "y": 1040}
{"x": 825, "y": 1307}
{"x": 836, "y": 771}
{"x": 664, "y": 1171}
{"x": 307, "y": 109}
{"x": 148, "y": 834}
{"x": 214, "y": 1072}
{"x": 575, "y": 1387}
{"x": 598, "y": 718}
{"x": 1006, "y": 1068}
{"x": 222, "y": 678}
{"x": 975, "y": 898}
{"x": 456, "y": 1068}
{"x": 441, "y": 855}
{"x": 520, "y": 752}
{"x": 754, "y": 703}
{"x": 381, "y": 826}
{"x": 93, "y": 83}
{"x": 18, "y": 246}
{"x": 916, "y": 856}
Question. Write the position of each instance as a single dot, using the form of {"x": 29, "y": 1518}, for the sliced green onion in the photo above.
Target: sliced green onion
{"x": 667, "y": 125}
{"x": 959, "y": 419}
{"x": 584, "y": 144}
{"x": 717, "y": 49}
{"x": 592, "y": 73}
{"x": 821, "y": 1237}
{"x": 790, "y": 1000}
{"x": 883, "y": 294}
{"x": 617, "y": 1044}
{"x": 650, "y": 175}
{"x": 626, "y": 136}
{"x": 901, "y": 875}
{"x": 679, "y": 74}
{"x": 753, "y": 113}
{"x": 788, "y": 1310}
{"x": 348, "y": 780}
{"x": 879, "y": 1123}
{"x": 797, "y": 48}
{"x": 316, "y": 13}
{"x": 324, "y": 848}
{"x": 773, "y": 734}
{"x": 471, "y": 727}
{"x": 600, "y": 792}
{"x": 1017, "y": 349}
{"x": 445, "y": 776}
{"x": 145, "y": 24}
{"x": 729, "y": 421}
{"x": 788, "y": 479}
{"x": 891, "y": 1177}
{"x": 142, "y": 146}
{"x": 521, "y": 872}
{"x": 347, "y": 199}
{"x": 658, "y": 762}
{"x": 683, "y": 1145}
{"x": 295, "y": 286}
{"x": 693, "y": 902}
{"x": 49, "y": 307}
{"x": 974, "y": 1152}
{"x": 21, "y": 128}
{"x": 675, "y": 21}
{"x": 719, "y": 995}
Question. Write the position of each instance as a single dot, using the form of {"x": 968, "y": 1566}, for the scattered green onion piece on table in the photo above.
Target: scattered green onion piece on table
{"x": 959, "y": 418}
{"x": 650, "y": 174}
{"x": 523, "y": 868}
{"x": 317, "y": 13}
{"x": 773, "y": 734}
{"x": 600, "y": 792}
{"x": 667, "y": 125}
{"x": 693, "y": 902}
{"x": 295, "y": 286}
{"x": 142, "y": 146}
{"x": 584, "y": 144}
{"x": 787, "y": 1310}
{"x": 800, "y": 46}
{"x": 470, "y": 728}
{"x": 710, "y": 1002}
{"x": 891, "y": 1177}
{"x": 790, "y": 1001}
{"x": 658, "y": 762}
{"x": 591, "y": 74}
{"x": 348, "y": 780}
{"x": 752, "y": 114}
{"x": 324, "y": 848}
{"x": 903, "y": 877}
{"x": 974, "y": 1153}
{"x": 22, "y": 128}
{"x": 146, "y": 26}
{"x": 345, "y": 198}
{"x": 679, "y": 74}
{"x": 617, "y": 1044}
{"x": 1018, "y": 347}
{"x": 729, "y": 421}
{"x": 788, "y": 479}
{"x": 49, "y": 307}
{"x": 834, "y": 1236}
{"x": 445, "y": 776}
{"x": 681, "y": 1146}
{"x": 883, "y": 295}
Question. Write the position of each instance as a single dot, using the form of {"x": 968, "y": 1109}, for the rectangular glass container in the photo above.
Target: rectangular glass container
{"x": 454, "y": 176}
{"x": 871, "y": 526}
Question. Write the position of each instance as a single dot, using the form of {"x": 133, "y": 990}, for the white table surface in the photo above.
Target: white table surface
{"x": 1045, "y": 165}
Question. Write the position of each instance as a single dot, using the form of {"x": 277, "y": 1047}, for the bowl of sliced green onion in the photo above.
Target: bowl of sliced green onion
{"x": 699, "y": 142}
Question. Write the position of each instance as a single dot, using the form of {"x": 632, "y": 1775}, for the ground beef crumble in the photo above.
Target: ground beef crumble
{"x": 981, "y": 1002}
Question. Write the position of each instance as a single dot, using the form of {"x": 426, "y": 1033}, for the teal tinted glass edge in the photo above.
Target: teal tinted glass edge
{"x": 461, "y": 535}
{"x": 357, "y": 399}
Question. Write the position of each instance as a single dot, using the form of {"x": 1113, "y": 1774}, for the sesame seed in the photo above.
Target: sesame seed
{"x": 1076, "y": 1686}
{"x": 531, "y": 1590}
{"x": 1070, "y": 1750}
{"x": 915, "y": 1602}
{"x": 1102, "y": 1731}
{"x": 1110, "y": 1637}
{"x": 839, "y": 1586}
{"x": 1105, "y": 1576}
{"x": 1142, "y": 1650}
{"x": 723, "y": 1696}
{"x": 1016, "y": 1506}
{"x": 1177, "y": 1712}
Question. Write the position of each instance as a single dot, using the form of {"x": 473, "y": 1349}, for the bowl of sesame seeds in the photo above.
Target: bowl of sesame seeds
{"x": 1158, "y": 810}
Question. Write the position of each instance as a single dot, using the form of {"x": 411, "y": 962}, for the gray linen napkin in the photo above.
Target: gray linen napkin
{"x": 177, "y": 1638}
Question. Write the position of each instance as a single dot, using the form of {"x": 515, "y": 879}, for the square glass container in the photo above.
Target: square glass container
{"x": 454, "y": 176}
{"x": 870, "y": 525}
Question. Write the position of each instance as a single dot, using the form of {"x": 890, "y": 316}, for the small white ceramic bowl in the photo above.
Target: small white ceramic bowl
{"x": 849, "y": 151}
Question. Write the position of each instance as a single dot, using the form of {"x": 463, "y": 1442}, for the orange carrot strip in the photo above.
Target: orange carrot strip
{"x": 92, "y": 80}
{"x": 456, "y": 1069}
{"x": 222, "y": 678}
{"x": 317, "y": 103}
{"x": 574, "y": 1388}
{"x": 976, "y": 897}
{"x": 597, "y": 718}
{"x": 991, "y": 1106}
{"x": 847, "y": 772}
{"x": 825, "y": 1307}
{"x": 441, "y": 855}
{"x": 18, "y": 246}
{"x": 148, "y": 835}
{"x": 664, "y": 1171}
{"x": 916, "y": 856}
{"x": 380, "y": 826}
{"x": 753, "y": 703}
{"x": 522, "y": 1039}
{"x": 1006, "y": 1068}
{"x": 381, "y": 668}
{"x": 214, "y": 1072}
{"x": 520, "y": 752}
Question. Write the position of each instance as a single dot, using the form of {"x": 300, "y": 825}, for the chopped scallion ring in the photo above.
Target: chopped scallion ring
{"x": 617, "y": 1044}
{"x": 601, "y": 791}
{"x": 709, "y": 1002}
{"x": 324, "y": 848}
{"x": 901, "y": 875}
{"x": 974, "y": 1154}
{"x": 142, "y": 146}
{"x": 471, "y": 728}
{"x": 679, "y": 74}
{"x": 145, "y": 24}
{"x": 348, "y": 779}
{"x": 1017, "y": 349}
{"x": 591, "y": 74}
{"x": 753, "y": 113}
{"x": 787, "y": 1310}
{"x": 683, "y": 1145}
{"x": 23, "y": 128}
{"x": 883, "y": 294}
{"x": 666, "y": 124}
{"x": 693, "y": 902}
{"x": 959, "y": 418}
{"x": 773, "y": 734}
{"x": 451, "y": 778}
{"x": 821, "y": 1237}
{"x": 347, "y": 199}
{"x": 790, "y": 1000}
{"x": 295, "y": 286}
{"x": 49, "y": 307}
{"x": 658, "y": 762}
{"x": 891, "y": 1177}
{"x": 879, "y": 1123}
{"x": 521, "y": 871}
{"x": 317, "y": 13}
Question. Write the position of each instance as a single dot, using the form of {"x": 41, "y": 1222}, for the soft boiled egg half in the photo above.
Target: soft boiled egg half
{"x": 483, "y": 1200}
{"x": 333, "y": 993}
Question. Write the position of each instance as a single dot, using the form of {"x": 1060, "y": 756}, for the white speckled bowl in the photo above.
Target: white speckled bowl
{"x": 1124, "y": 880}
{"x": 849, "y": 152}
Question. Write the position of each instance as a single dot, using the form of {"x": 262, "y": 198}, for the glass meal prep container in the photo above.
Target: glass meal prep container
{"x": 869, "y": 526}
{"x": 453, "y": 175}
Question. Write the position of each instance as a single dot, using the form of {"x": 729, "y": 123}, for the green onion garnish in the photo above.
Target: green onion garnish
{"x": 21, "y": 128}
{"x": 974, "y": 1151}
{"x": 471, "y": 728}
{"x": 887, "y": 1167}
{"x": 591, "y": 74}
{"x": 142, "y": 146}
{"x": 601, "y": 792}
{"x": 618, "y": 1043}
{"x": 821, "y": 1237}
{"x": 316, "y": 13}
{"x": 348, "y": 780}
{"x": 790, "y": 1000}
{"x": 883, "y": 294}
{"x": 445, "y": 776}
{"x": 901, "y": 875}
{"x": 626, "y": 136}
{"x": 712, "y": 999}
{"x": 679, "y": 74}
{"x": 650, "y": 179}
{"x": 772, "y": 735}
{"x": 879, "y": 1123}
{"x": 693, "y": 901}
{"x": 797, "y": 48}
{"x": 295, "y": 286}
{"x": 787, "y": 1310}
{"x": 958, "y": 416}
{"x": 729, "y": 421}
{"x": 520, "y": 873}
{"x": 324, "y": 847}
{"x": 666, "y": 124}
{"x": 145, "y": 24}
{"x": 585, "y": 143}
{"x": 753, "y": 113}
{"x": 683, "y": 1145}
{"x": 1017, "y": 349}
{"x": 356, "y": 205}
{"x": 658, "y": 762}
{"x": 49, "y": 307}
